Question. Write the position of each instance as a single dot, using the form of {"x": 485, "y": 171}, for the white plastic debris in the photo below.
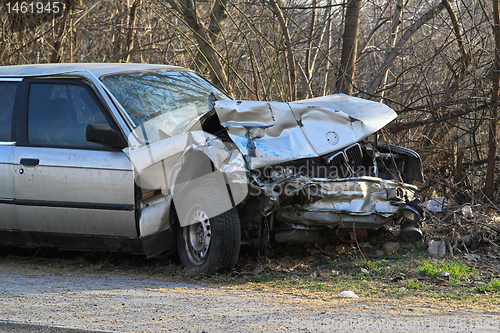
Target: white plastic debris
{"x": 437, "y": 248}
{"x": 467, "y": 211}
{"x": 436, "y": 205}
{"x": 348, "y": 294}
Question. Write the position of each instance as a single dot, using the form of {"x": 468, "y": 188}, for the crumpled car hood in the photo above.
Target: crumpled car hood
{"x": 274, "y": 132}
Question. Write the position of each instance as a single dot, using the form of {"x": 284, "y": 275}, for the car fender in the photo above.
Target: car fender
{"x": 186, "y": 161}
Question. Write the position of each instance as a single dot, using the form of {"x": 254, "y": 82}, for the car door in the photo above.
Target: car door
{"x": 8, "y": 217}
{"x": 63, "y": 183}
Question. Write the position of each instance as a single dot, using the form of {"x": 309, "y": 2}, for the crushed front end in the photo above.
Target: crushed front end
{"x": 311, "y": 168}
{"x": 358, "y": 187}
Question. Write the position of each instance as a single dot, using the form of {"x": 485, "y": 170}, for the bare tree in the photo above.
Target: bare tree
{"x": 292, "y": 81}
{"x": 188, "y": 13}
{"x": 391, "y": 56}
{"x": 60, "y": 35}
{"x": 492, "y": 141}
{"x": 129, "y": 44}
{"x": 395, "y": 26}
{"x": 349, "y": 48}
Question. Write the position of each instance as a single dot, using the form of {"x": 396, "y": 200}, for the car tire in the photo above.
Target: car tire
{"x": 209, "y": 245}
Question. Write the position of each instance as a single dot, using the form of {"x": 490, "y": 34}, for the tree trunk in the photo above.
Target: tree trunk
{"x": 307, "y": 60}
{"x": 57, "y": 46}
{"x": 349, "y": 48}
{"x": 129, "y": 44}
{"x": 492, "y": 140}
{"x": 292, "y": 77}
{"x": 329, "y": 43}
{"x": 217, "y": 15}
{"x": 187, "y": 8}
{"x": 395, "y": 24}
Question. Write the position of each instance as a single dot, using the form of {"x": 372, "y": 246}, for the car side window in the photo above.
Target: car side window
{"x": 58, "y": 114}
{"x": 7, "y": 97}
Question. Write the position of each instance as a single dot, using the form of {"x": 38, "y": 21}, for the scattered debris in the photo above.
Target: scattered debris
{"x": 347, "y": 235}
{"x": 464, "y": 227}
{"x": 390, "y": 248}
{"x": 348, "y": 294}
{"x": 437, "y": 248}
{"x": 436, "y": 205}
{"x": 467, "y": 211}
{"x": 410, "y": 233}
{"x": 443, "y": 274}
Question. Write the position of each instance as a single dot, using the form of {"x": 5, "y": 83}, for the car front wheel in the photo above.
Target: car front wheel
{"x": 209, "y": 244}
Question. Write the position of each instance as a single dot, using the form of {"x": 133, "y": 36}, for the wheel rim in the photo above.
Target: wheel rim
{"x": 197, "y": 237}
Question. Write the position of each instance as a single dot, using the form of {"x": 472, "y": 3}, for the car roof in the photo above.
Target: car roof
{"x": 98, "y": 69}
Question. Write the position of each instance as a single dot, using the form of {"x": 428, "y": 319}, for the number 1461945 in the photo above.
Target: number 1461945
{"x": 33, "y": 7}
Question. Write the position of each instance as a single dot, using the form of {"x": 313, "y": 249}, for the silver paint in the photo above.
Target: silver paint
{"x": 273, "y": 132}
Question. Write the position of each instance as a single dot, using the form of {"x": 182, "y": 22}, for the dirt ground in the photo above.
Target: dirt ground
{"x": 291, "y": 289}
{"x": 44, "y": 298}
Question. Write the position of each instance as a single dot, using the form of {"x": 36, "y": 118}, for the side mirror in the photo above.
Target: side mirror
{"x": 103, "y": 134}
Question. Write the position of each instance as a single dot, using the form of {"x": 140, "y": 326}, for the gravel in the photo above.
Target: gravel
{"x": 58, "y": 301}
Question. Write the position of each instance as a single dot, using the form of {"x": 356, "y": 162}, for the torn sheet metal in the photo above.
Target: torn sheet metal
{"x": 273, "y": 132}
{"x": 154, "y": 163}
{"x": 155, "y": 216}
{"x": 364, "y": 202}
{"x": 159, "y": 164}
{"x": 168, "y": 155}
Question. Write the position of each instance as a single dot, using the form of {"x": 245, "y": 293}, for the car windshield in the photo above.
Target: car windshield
{"x": 159, "y": 102}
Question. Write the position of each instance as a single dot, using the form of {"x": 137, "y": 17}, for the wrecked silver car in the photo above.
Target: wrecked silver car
{"x": 147, "y": 158}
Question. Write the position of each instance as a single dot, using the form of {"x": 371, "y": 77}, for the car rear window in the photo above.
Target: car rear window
{"x": 7, "y": 96}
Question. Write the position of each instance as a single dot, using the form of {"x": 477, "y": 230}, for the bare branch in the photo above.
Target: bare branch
{"x": 389, "y": 58}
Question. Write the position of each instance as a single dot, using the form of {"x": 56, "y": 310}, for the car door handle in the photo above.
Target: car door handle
{"x": 29, "y": 161}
